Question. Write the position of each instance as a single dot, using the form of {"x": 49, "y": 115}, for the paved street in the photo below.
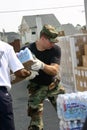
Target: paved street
{"x": 20, "y": 96}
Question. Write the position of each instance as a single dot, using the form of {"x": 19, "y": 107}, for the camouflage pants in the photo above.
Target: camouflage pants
{"x": 35, "y": 102}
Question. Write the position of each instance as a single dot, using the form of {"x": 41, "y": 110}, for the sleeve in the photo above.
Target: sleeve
{"x": 56, "y": 58}
{"x": 14, "y": 62}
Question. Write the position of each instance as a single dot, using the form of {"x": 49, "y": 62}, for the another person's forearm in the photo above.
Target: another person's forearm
{"x": 22, "y": 73}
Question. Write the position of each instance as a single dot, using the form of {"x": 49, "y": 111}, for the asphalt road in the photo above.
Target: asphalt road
{"x": 20, "y": 97}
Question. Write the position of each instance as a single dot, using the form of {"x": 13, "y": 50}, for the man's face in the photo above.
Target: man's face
{"x": 47, "y": 44}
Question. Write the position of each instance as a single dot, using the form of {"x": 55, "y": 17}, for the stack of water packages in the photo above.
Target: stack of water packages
{"x": 24, "y": 55}
{"x": 72, "y": 110}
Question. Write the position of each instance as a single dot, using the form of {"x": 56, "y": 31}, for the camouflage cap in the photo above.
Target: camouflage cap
{"x": 50, "y": 32}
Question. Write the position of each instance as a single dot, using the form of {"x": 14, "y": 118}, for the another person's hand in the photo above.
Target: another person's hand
{"x": 23, "y": 73}
{"x": 37, "y": 65}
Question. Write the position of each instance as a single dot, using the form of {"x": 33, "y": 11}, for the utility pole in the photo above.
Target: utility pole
{"x": 85, "y": 6}
{"x": 38, "y": 24}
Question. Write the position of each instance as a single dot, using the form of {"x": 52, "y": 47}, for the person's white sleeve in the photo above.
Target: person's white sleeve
{"x": 14, "y": 62}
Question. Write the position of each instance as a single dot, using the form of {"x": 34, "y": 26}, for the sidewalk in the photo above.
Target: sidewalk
{"x": 20, "y": 96}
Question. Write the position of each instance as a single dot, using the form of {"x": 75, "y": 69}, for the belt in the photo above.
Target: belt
{"x": 3, "y": 88}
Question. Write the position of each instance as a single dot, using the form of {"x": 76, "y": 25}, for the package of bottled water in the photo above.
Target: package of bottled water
{"x": 72, "y": 106}
{"x": 70, "y": 125}
{"x": 24, "y": 55}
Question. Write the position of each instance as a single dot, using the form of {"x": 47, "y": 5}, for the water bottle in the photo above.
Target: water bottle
{"x": 61, "y": 125}
{"x": 59, "y": 106}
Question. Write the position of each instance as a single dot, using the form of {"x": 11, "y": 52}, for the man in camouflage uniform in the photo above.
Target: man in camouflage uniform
{"x": 46, "y": 84}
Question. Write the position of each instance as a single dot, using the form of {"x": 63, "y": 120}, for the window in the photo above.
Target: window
{"x": 33, "y": 33}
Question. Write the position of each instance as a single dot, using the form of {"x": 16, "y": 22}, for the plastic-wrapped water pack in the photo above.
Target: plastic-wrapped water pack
{"x": 72, "y": 106}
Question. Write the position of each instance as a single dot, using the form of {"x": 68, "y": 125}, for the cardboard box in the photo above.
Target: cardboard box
{"x": 85, "y": 49}
{"x": 81, "y": 71}
{"x": 72, "y": 48}
{"x": 80, "y": 84}
{"x": 61, "y": 33}
{"x": 84, "y": 59}
{"x": 81, "y": 78}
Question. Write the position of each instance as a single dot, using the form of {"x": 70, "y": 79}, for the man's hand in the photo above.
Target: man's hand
{"x": 37, "y": 65}
{"x": 22, "y": 74}
{"x": 19, "y": 75}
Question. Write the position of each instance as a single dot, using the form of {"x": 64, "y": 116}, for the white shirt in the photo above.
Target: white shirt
{"x": 8, "y": 61}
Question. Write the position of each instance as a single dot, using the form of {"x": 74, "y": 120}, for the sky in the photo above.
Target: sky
{"x": 66, "y": 11}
